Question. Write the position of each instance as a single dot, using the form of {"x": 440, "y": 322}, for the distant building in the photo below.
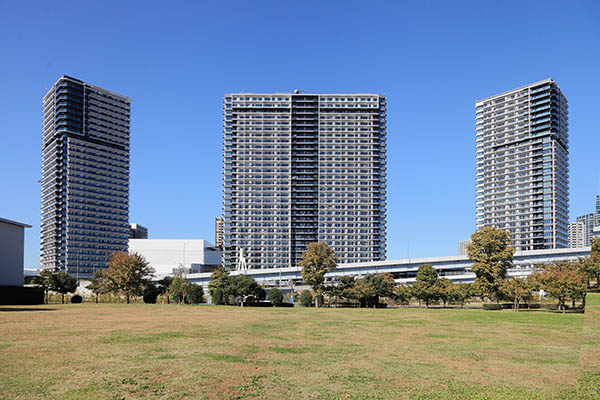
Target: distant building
{"x": 12, "y": 248}
{"x": 462, "y": 247}
{"x": 588, "y": 227}
{"x": 167, "y": 256}
{"x": 85, "y": 176}
{"x": 576, "y": 235}
{"x": 300, "y": 168}
{"x": 522, "y": 165}
{"x": 137, "y": 231}
{"x": 219, "y": 231}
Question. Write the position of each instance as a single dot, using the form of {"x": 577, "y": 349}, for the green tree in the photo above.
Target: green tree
{"x": 446, "y": 290}
{"x": 219, "y": 279}
{"x": 194, "y": 293}
{"x": 276, "y": 297}
{"x": 163, "y": 287}
{"x": 44, "y": 279}
{"x": 365, "y": 292}
{"x": 151, "y": 293}
{"x": 317, "y": 260}
{"x": 241, "y": 289}
{"x": 127, "y": 274}
{"x": 463, "y": 292}
{"x": 402, "y": 294}
{"x": 425, "y": 287}
{"x": 492, "y": 254}
{"x": 98, "y": 284}
{"x": 63, "y": 283}
{"x": 591, "y": 265}
{"x": 562, "y": 280}
{"x": 515, "y": 290}
{"x": 305, "y": 298}
{"x": 177, "y": 288}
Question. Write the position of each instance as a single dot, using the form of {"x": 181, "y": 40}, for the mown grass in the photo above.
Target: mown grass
{"x": 137, "y": 351}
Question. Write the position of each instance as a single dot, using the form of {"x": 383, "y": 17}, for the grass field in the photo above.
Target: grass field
{"x": 116, "y": 351}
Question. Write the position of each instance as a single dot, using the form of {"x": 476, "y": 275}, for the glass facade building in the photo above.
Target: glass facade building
{"x": 300, "y": 168}
{"x": 522, "y": 165}
{"x": 85, "y": 176}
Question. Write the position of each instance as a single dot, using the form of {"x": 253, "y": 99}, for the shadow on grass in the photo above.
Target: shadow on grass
{"x": 10, "y": 309}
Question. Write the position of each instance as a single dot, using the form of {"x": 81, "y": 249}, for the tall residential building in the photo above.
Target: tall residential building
{"x": 522, "y": 172}
{"x": 137, "y": 231}
{"x": 576, "y": 235}
{"x": 219, "y": 231}
{"x": 85, "y": 176}
{"x": 300, "y": 168}
{"x": 463, "y": 247}
{"x": 587, "y": 221}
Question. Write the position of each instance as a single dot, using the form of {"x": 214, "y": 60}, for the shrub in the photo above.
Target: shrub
{"x": 306, "y": 298}
{"x": 194, "y": 294}
{"x": 150, "y": 294}
{"x": 218, "y": 296}
{"x": 492, "y": 306}
{"x": 76, "y": 299}
{"x": 276, "y": 296}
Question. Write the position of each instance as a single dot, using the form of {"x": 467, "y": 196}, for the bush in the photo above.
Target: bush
{"x": 218, "y": 296}
{"x": 492, "y": 306}
{"x": 286, "y": 305}
{"x": 150, "y": 294}
{"x": 306, "y": 298}
{"x": 77, "y": 299}
{"x": 276, "y": 297}
{"x": 194, "y": 294}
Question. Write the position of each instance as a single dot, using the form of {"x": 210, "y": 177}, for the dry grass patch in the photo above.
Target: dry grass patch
{"x": 136, "y": 351}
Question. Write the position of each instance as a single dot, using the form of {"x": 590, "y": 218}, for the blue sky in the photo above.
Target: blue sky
{"x": 175, "y": 60}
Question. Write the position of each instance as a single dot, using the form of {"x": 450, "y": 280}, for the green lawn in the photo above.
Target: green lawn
{"x": 115, "y": 351}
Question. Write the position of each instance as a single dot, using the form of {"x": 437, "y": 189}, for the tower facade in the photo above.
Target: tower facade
{"x": 85, "y": 176}
{"x": 300, "y": 168}
{"x": 522, "y": 165}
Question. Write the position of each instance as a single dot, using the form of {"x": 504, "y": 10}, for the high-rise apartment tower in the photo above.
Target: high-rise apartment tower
{"x": 522, "y": 171}
{"x": 85, "y": 176}
{"x": 219, "y": 233}
{"x": 300, "y": 168}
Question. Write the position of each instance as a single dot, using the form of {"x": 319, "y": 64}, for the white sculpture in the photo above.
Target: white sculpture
{"x": 242, "y": 264}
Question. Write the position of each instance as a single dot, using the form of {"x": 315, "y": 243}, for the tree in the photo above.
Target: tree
{"x": 402, "y": 294}
{"x": 63, "y": 283}
{"x": 562, "y": 280}
{"x": 218, "y": 280}
{"x": 194, "y": 293}
{"x": 317, "y": 260}
{"x": 177, "y": 287}
{"x": 305, "y": 298}
{"x": 98, "y": 284}
{"x": 44, "y": 279}
{"x": 425, "y": 287}
{"x": 127, "y": 274}
{"x": 446, "y": 290}
{"x": 242, "y": 288}
{"x": 515, "y": 290}
{"x": 365, "y": 292}
{"x": 591, "y": 265}
{"x": 463, "y": 292}
{"x": 151, "y": 293}
{"x": 276, "y": 297}
{"x": 163, "y": 287}
{"x": 492, "y": 254}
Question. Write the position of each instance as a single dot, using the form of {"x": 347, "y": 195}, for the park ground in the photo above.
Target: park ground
{"x": 139, "y": 351}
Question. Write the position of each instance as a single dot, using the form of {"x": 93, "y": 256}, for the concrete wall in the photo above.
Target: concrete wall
{"x": 11, "y": 254}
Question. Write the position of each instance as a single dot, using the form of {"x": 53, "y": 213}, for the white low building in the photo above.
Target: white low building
{"x": 167, "y": 256}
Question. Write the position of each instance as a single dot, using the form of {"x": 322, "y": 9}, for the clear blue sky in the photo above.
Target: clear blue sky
{"x": 175, "y": 60}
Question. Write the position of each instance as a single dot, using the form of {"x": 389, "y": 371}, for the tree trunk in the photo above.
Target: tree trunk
{"x": 127, "y": 299}
{"x": 573, "y": 302}
{"x": 583, "y": 300}
{"x": 63, "y": 298}
{"x": 96, "y": 298}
